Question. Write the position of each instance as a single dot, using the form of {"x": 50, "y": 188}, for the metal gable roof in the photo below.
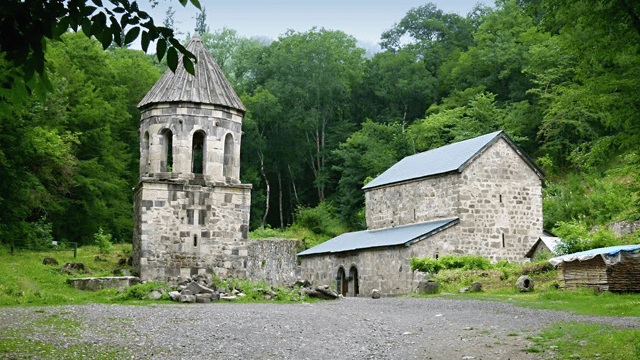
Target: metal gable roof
{"x": 452, "y": 157}
{"x": 208, "y": 85}
{"x": 611, "y": 255}
{"x": 401, "y": 235}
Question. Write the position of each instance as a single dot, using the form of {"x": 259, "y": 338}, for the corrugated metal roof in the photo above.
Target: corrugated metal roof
{"x": 610, "y": 255}
{"x": 386, "y": 237}
{"x": 207, "y": 86}
{"x": 444, "y": 159}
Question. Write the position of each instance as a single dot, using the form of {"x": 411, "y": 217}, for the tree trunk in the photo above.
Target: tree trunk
{"x": 266, "y": 181}
{"x": 280, "y": 199}
{"x": 295, "y": 192}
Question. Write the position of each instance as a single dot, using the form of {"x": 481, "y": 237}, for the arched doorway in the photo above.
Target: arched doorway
{"x": 342, "y": 285}
{"x": 353, "y": 281}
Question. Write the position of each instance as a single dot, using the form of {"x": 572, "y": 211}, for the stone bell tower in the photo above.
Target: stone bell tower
{"x": 189, "y": 202}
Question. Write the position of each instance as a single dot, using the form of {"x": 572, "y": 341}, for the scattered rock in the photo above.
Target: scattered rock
{"x": 228, "y": 298}
{"x": 464, "y": 290}
{"x": 267, "y": 297}
{"x": 241, "y": 294}
{"x": 186, "y": 292}
{"x": 524, "y": 284}
{"x": 302, "y": 283}
{"x": 154, "y": 295}
{"x": 475, "y": 287}
{"x": 74, "y": 267}
{"x": 187, "y": 298}
{"x": 197, "y": 288}
{"x": 49, "y": 261}
{"x": 203, "y": 298}
{"x": 427, "y": 287}
{"x": 375, "y": 293}
{"x": 327, "y": 293}
{"x": 174, "y": 295}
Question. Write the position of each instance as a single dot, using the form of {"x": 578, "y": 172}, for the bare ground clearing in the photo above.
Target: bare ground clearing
{"x": 352, "y": 328}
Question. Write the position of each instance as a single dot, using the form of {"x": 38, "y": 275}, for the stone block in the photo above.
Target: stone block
{"x": 203, "y": 298}
{"x": 187, "y": 298}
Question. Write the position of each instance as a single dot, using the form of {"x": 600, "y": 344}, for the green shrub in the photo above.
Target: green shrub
{"x": 138, "y": 292}
{"x": 103, "y": 241}
{"x": 466, "y": 262}
{"x": 321, "y": 219}
{"x": 576, "y": 237}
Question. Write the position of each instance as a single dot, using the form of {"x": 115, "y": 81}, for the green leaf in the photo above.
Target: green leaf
{"x": 116, "y": 30}
{"x": 86, "y": 27}
{"x": 172, "y": 59}
{"x": 188, "y": 65}
{"x": 161, "y": 48}
{"x": 183, "y": 2}
{"x": 118, "y": 10}
{"x": 105, "y": 38}
{"x": 196, "y": 3}
{"x": 144, "y": 41}
{"x": 131, "y": 35}
{"x": 88, "y": 10}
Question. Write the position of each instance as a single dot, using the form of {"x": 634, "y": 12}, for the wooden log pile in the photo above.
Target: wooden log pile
{"x": 623, "y": 276}
{"x": 590, "y": 274}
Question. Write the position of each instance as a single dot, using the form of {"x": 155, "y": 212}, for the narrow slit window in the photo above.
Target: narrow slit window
{"x": 502, "y": 240}
{"x": 167, "y": 151}
{"x": 501, "y": 199}
{"x": 195, "y": 240}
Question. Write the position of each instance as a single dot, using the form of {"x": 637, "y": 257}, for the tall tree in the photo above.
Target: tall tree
{"x": 201, "y": 21}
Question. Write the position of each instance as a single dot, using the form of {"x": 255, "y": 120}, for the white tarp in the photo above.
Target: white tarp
{"x": 611, "y": 255}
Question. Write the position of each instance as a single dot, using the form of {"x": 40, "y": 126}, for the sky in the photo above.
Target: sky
{"x": 364, "y": 20}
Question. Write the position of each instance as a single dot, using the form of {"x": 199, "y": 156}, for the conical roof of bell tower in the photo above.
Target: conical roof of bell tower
{"x": 207, "y": 86}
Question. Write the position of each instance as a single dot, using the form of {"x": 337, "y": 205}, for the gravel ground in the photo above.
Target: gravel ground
{"x": 351, "y": 328}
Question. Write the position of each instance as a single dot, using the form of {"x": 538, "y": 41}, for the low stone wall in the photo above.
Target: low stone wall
{"x": 98, "y": 283}
{"x": 273, "y": 260}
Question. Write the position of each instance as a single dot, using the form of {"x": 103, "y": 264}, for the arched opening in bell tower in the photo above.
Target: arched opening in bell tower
{"x": 197, "y": 152}
{"x": 227, "y": 170}
{"x": 166, "y": 140}
{"x": 144, "y": 156}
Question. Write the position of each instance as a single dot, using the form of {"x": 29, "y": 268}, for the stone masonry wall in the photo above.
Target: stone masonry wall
{"x": 500, "y": 205}
{"x": 412, "y": 202}
{"x": 386, "y": 269}
{"x": 497, "y": 197}
{"x": 181, "y": 226}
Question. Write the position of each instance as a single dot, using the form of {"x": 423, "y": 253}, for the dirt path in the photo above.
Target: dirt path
{"x": 352, "y": 328}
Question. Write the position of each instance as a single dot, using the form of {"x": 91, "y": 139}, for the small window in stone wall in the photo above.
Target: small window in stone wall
{"x": 500, "y": 199}
{"x": 436, "y": 256}
{"x": 502, "y": 240}
{"x": 195, "y": 240}
{"x": 197, "y": 151}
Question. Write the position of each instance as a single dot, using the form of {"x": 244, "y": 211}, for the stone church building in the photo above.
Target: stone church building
{"x": 479, "y": 196}
{"x": 191, "y": 210}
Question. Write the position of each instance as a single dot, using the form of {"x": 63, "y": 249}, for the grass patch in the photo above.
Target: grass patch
{"x": 589, "y": 341}
{"x": 26, "y": 281}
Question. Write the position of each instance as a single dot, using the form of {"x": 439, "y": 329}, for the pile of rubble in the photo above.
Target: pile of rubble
{"x": 199, "y": 289}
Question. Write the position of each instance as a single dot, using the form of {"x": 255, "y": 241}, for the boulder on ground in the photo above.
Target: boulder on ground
{"x": 74, "y": 267}
{"x": 475, "y": 287}
{"x": 524, "y": 284}
{"x": 427, "y": 287}
{"x": 228, "y": 298}
{"x": 49, "y": 261}
{"x": 375, "y": 293}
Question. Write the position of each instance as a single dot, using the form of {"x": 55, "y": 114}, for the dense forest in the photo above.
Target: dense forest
{"x": 559, "y": 77}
